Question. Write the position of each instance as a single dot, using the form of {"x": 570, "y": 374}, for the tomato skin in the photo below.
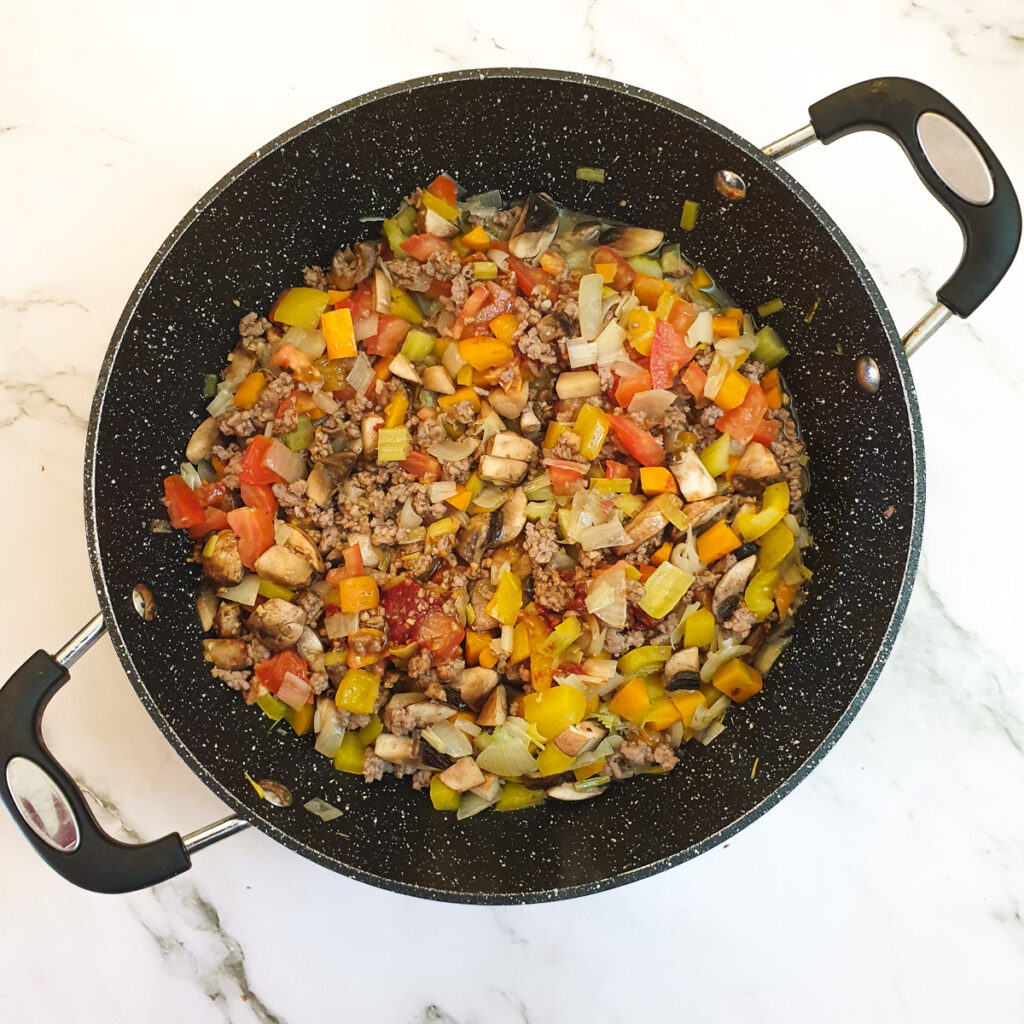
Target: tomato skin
{"x": 258, "y": 496}
{"x": 424, "y": 467}
{"x": 253, "y": 469}
{"x": 402, "y": 605}
{"x": 214, "y": 495}
{"x": 440, "y": 634}
{"x": 214, "y": 519}
{"x": 528, "y": 278}
{"x": 625, "y": 275}
{"x": 766, "y": 432}
{"x": 271, "y": 672}
{"x": 422, "y": 247}
{"x": 632, "y": 385}
{"x": 391, "y": 332}
{"x": 669, "y": 354}
{"x": 694, "y": 380}
{"x": 444, "y": 188}
{"x": 640, "y": 444}
{"x": 359, "y": 303}
{"x": 681, "y": 315}
{"x": 254, "y": 528}
{"x": 741, "y": 423}
{"x": 565, "y": 480}
{"x": 183, "y": 507}
{"x": 617, "y": 470}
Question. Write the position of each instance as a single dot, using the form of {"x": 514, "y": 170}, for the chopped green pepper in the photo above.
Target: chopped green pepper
{"x": 210, "y": 381}
{"x": 403, "y": 307}
{"x": 418, "y": 345}
{"x": 688, "y": 218}
{"x": 649, "y": 265}
{"x": 769, "y": 349}
{"x": 273, "y": 708}
{"x": 301, "y": 437}
{"x": 671, "y": 259}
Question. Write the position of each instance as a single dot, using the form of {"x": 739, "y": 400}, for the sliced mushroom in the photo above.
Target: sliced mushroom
{"x": 631, "y": 241}
{"x": 241, "y": 363}
{"x": 649, "y": 521}
{"x": 700, "y": 512}
{"x": 682, "y": 670}
{"x": 435, "y": 224}
{"x": 228, "y": 654}
{"x": 223, "y": 564}
{"x": 582, "y": 234}
{"x": 490, "y": 788}
{"x": 510, "y": 519}
{"x": 510, "y": 445}
{"x": 730, "y": 586}
{"x": 757, "y": 468}
{"x": 371, "y": 424}
{"x": 495, "y": 709}
{"x": 282, "y": 565}
{"x": 553, "y": 326}
{"x": 228, "y": 619}
{"x": 300, "y": 542}
{"x": 327, "y": 474}
{"x": 509, "y": 403}
{"x": 479, "y": 597}
{"x": 475, "y": 685}
{"x": 204, "y": 437}
{"x": 568, "y": 791}
{"x": 473, "y": 538}
{"x": 439, "y": 380}
{"x": 502, "y": 471}
{"x": 580, "y": 738}
{"x": 348, "y": 268}
{"x": 695, "y": 482}
{"x": 463, "y": 775}
{"x": 279, "y": 623}
{"x": 401, "y": 750}
{"x": 535, "y": 229}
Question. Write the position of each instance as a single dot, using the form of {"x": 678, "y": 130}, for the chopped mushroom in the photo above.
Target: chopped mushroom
{"x": 501, "y": 471}
{"x": 700, "y": 512}
{"x": 475, "y": 685}
{"x": 495, "y": 709}
{"x": 281, "y": 565}
{"x": 403, "y": 750}
{"x": 204, "y": 437}
{"x": 227, "y": 654}
{"x": 631, "y": 241}
{"x": 580, "y": 738}
{"x": 463, "y": 775}
{"x": 439, "y": 380}
{"x": 682, "y": 670}
{"x": 510, "y": 445}
{"x": 757, "y": 468}
{"x": 695, "y": 482}
{"x": 279, "y": 623}
{"x": 535, "y": 229}
{"x": 223, "y": 564}
{"x": 300, "y": 543}
{"x": 327, "y": 474}
{"x": 649, "y": 521}
{"x": 509, "y": 402}
{"x": 730, "y": 588}
{"x": 490, "y": 788}
{"x": 474, "y": 537}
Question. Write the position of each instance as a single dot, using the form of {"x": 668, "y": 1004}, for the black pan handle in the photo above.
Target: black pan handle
{"x": 47, "y": 804}
{"x": 954, "y": 162}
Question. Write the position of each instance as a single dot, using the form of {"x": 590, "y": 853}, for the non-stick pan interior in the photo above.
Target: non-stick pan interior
{"x": 293, "y": 203}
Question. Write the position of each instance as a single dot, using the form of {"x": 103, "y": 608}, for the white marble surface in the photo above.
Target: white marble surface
{"x": 889, "y": 886}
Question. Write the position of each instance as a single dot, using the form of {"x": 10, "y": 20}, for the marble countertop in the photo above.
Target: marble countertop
{"x": 888, "y": 886}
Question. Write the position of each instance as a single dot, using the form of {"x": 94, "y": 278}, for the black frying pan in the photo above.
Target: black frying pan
{"x": 292, "y": 203}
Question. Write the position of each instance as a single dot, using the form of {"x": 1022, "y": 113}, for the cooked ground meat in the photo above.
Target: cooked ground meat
{"x": 541, "y": 543}
{"x": 553, "y": 589}
{"x": 237, "y": 679}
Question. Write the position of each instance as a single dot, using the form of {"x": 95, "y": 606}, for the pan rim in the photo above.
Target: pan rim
{"x": 111, "y": 607}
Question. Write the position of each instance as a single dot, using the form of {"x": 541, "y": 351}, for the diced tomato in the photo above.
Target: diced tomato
{"x": 617, "y": 470}
{"x": 440, "y": 634}
{"x": 766, "y": 431}
{"x": 669, "y": 354}
{"x": 565, "y": 480}
{"x": 213, "y": 519}
{"x": 528, "y": 278}
{"x": 213, "y": 495}
{"x": 625, "y": 275}
{"x": 255, "y": 530}
{"x": 259, "y": 496}
{"x": 438, "y": 288}
{"x": 254, "y": 470}
{"x": 694, "y": 380}
{"x": 444, "y": 188}
{"x": 630, "y": 385}
{"x": 295, "y": 360}
{"x": 404, "y": 606}
{"x": 641, "y": 445}
{"x": 183, "y": 507}
{"x": 391, "y": 332}
{"x": 470, "y": 308}
{"x": 360, "y": 302}
{"x": 271, "y": 672}
{"x": 681, "y": 315}
{"x": 353, "y": 565}
{"x": 424, "y": 467}
{"x": 741, "y": 422}
{"x": 422, "y": 247}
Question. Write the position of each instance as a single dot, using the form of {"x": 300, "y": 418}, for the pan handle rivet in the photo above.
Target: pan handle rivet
{"x": 730, "y": 184}
{"x": 142, "y": 602}
{"x": 868, "y": 375}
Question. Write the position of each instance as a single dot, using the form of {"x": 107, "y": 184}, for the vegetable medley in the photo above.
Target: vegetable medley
{"x": 508, "y": 501}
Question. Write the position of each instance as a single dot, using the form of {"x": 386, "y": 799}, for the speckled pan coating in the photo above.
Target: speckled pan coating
{"x": 293, "y": 202}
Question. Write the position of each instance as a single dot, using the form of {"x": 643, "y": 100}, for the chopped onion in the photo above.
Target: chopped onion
{"x": 711, "y": 732}
{"x": 608, "y": 303}
{"x": 684, "y": 555}
{"x": 625, "y": 368}
{"x": 472, "y": 803}
{"x": 468, "y": 727}
{"x": 408, "y": 516}
{"x": 361, "y": 375}
{"x": 609, "y": 344}
{"x": 443, "y": 736}
{"x": 288, "y": 465}
{"x": 245, "y": 592}
{"x": 370, "y": 555}
{"x": 652, "y": 404}
{"x": 568, "y": 464}
{"x": 190, "y": 475}
{"x": 454, "y": 451}
{"x": 206, "y": 606}
{"x": 483, "y": 203}
{"x": 581, "y": 353}
{"x": 442, "y": 489}
{"x": 590, "y": 313}
{"x": 323, "y": 810}
{"x": 627, "y": 304}
{"x": 730, "y": 649}
{"x": 508, "y": 753}
{"x": 294, "y": 690}
{"x": 327, "y": 724}
{"x": 499, "y": 257}
{"x": 307, "y": 340}
{"x": 733, "y": 348}
{"x": 700, "y": 332}
{"x": 366, "y": 327}
{"x": 490, "y": 497}
{"x": 717, "y": 372}
{"x": 491, "y": 424}
{"x": 771, "y": 649}
{"x": 533, "y": 488}
{"x": 326, "y": 402}
{"x": 588, "y": 509}
{"x": 341, "y": 624}
{"x": 604, "y": 535}
{"x": 222, "y": 401}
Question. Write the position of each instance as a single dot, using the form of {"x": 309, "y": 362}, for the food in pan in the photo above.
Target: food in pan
{"x": 508, "y": 501}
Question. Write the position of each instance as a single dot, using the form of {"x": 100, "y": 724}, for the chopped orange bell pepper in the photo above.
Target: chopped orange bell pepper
{"x": 475, "y": 643}
{"x": 715, "y": 542}
{"x": 334, "y": 296}
{"x": 552, "y": 263}
{"x": 784, "y": 594}
{"x": 734, "y": 461}
{"x": 661, "y": 555}
{"x": 687, "y": 702}
{"x": 772, "y": 389}
{"x": 737, "y": 680}
{"x": 476, "y": 239}
{"x": 657, "y": 480}
{"x": 662, "y": 714}
{"x": 725, "y": 327}
{"x": 588, "y": 770}
{"x": 631, "y": 702}
{"x": 358, "y": 593}
{"x": 466, "y": 394}
{"x": 606, "y": 270}
{"x": 485, "y": 353}
{"x": 503, "y": 327}
{"x": 488, "y": 659}
{"x": 339, "y": 333}
{"x": 732, "y": 392}
{"x": 460, "y": 499}
{"x": 520, "y": 644}
{"x": 650, "y": 289}
{"x": 249, "y": 390}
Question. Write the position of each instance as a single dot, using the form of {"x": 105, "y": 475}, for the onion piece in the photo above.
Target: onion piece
{"x": 626, "y": 368}
{"x": 365, "y": 328}
{"x": 328, "y": 728}
{"x": 609, "y": 344}
{"x": 603, "y": 535}
{"x": 443, "y": 736}
{"x": 294, "y": 690}
{"x": 361, "y": 375}
{"x": 730, "y": 649}
{"x": 454, "y": 451}
{"x": 472, "y": 803}
{"x": 288, "y": 465}
{"x": 581, "y": 353}
{"x": 307, "y": 340}
{"x": 244, "y": 592}
{"x": 408, "y": 517}
{"x": 652, "y": 404}
{"x": 442, "y": 489}
{"x": 717, "y": 372}
{"x": 190, "y": 475}
{"x": 222, "y": 401}
{"x": 326, "y": 402}
{"x": 370, "y": 555}
{"x": 590, "y": 312}
{"x": 489, "y": 498}
{"x": 700, "y": 332}
{"x": 322, "y": 809}
{"x": 341, "y": 624}
{"x": 499, "y": 257}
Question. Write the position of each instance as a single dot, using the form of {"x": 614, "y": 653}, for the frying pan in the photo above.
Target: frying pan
{"x": 293, "y": 202}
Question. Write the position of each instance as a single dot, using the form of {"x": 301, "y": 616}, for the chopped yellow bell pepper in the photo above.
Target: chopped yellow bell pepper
{"x": 339, "y": 333}
{"x": 439, "y": 206}
{"x": 334, "y": 296}
{"x": 520, "y": 644}
{"x": 737, "y": 680}
{"x": 644, "y": 661}
{"x": 395, "y": 410}
{"x": 775, "y": 545}
{"x": 715, "y": 542}
{"x": 733, "y": 390}
{"x": 716, "y": 456}
{"x": 774, "y": 505}
{"x": 503, "y": 327}
{"x": 687, "y": 702}
{"x": 631, "y": 702}
{"x": 485, "y": 353}
{"x": 699, "y": 629}
{"x": 299, "y": 307}
{"x": 553, "y": 433}
{"x": 488, "y": 659}
{"x": 619, "y": 486}
{"x": 662, "y": 713}
{"x": 565, "y": 633}
{"x": 404, "y": 307}
{"x": 349, "y": 756}
{"x": 759, "y": 596}
{"x": 592, "y": 424}
{"x": 475, "y": 643}
{"x": 553, "y": 710}
{"x": 657, "y": 480}
{"x": 476, "y": 239}
{"x": 464, "y": 394}
{"x": 515, "y": 796}
{"x": 249, "y": 390}
{"x": 300, "y": 719}
{"x": 640, "y": 329}
{"x": 441, "y": 796}
{"x": 551, "y": 761}
{"x": 664, "y": 589}
{"x": 507, "y": 600}
{"x": 357, "y": 691}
